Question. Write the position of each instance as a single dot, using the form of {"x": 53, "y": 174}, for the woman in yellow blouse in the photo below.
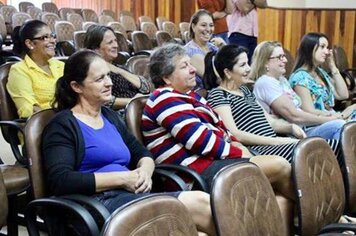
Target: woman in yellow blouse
{"x": 32, "y": 81}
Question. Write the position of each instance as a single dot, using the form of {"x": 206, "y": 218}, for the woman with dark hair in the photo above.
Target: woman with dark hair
{"x": 275, "y": 95}
{"x": 317, "y": 89}
{"x": 226, "y": 76}
{"x": 201, "y": 31}
{"x": 32, "y": 81}
{"x": 88, "y": 149}
{"x": 180, "y": 128}
{"x": 126, "y": 85}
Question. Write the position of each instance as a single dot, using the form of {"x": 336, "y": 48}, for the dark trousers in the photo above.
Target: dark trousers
{"x": 249, "y": 42}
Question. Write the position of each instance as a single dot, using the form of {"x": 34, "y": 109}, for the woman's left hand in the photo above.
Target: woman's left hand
{"x": 330, "y": 61}
{"x": 144, "y": 182}
{"x": 298, "y": 132}
{"x": 218, "y": 42}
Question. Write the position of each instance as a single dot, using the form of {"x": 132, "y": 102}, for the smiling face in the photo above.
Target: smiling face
{"x": 42, "y": 45}
{"x": 240, "y": 71}
{"x": 321, "y": 51}
{"x": 203, "y": 29}
{"x": 183, "y": 77}
{"x": 96, "y": 87}
{"x": 276, "y": 64}
{"x": 108, "y": 46}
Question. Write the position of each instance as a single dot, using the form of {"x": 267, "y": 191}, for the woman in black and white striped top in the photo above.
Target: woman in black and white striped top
{"x": 225, "y": 77}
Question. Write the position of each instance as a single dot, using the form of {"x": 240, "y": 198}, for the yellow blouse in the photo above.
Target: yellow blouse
{"x": 29, "y": 85}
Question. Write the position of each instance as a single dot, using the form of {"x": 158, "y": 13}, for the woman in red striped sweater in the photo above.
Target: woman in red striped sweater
{"x": 180, "y": 128}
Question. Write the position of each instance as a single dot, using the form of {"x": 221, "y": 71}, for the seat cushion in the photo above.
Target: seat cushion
{"x": 16, "y": 178}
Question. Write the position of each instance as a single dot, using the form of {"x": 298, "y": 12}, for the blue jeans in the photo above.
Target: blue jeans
{"x": 249, "y": 42}
{"x": 328, "y": 130}
{"x": 223, "y": 35}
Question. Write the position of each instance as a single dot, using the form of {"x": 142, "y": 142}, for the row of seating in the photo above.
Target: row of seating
{"x": 239, "y": 193}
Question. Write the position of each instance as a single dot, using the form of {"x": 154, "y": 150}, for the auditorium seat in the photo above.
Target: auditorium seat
{"x": 105, "y": 19}
{"x": 50, "y": 7}
{"x": 159, "y": 21}
{"x": 142, "y": 19}
{"x": 163, "y": 37}
{"x": 64, "y": 11}
{"x": 19, "y": 18}
{"x": 141, "y": 43}
{"x": 77, "y": 21}
{"x": 348, "y": 147}
{"x": 153, "y": 215}
{"x": 319, "y": 188}
{"x": 89, "y": 15}
{"x": 150, "y": 29}
{"x": 23, "y": 6}
{"x": 107, "y": 12}
{"x": 243, "y": 202}
{"x": 50, "y": 19}
{"x": 34, "y": 12}
{"x": 7, "y": 11}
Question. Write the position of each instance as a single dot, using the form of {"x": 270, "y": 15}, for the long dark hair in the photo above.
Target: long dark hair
{"x": 76, "y": 69}
{"x": 306, "y": 50}
{"x": 216, "y": 62}
{"x": 28, "y": 31}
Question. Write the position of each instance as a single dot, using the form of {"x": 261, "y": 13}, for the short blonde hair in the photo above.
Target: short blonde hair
{"x": 261, "y": 56}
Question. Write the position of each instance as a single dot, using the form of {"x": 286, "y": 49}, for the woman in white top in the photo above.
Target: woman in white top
{"x": 274, "y": 93}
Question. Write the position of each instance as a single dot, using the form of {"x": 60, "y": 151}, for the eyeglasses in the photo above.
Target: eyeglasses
{"x": 46, "y": 37}
{"x": 280, "y": 57}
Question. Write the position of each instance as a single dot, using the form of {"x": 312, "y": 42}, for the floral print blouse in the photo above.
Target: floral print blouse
{"x": 322, "y": 94}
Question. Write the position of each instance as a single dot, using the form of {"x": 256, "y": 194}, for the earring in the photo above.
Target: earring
{"x": 31, "y": 48}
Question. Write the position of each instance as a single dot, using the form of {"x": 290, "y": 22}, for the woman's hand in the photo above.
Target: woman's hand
{"x": 218, "y": 42}
{"x": 130, "y": 179}
{"x": 245, "y": 151}
{"x": 144, "y": 181}
{"x": 298, "y": 132}
{"x": 330, "y": 61}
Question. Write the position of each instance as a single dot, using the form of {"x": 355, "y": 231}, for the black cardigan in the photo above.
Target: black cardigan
{"x": 63, "y": 151}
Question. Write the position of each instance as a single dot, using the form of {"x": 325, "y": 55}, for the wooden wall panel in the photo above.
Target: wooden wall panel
{"x": 338, "y": 25}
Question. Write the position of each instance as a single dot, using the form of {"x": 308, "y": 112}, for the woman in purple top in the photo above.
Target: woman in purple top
{"x": 88, "y": 150}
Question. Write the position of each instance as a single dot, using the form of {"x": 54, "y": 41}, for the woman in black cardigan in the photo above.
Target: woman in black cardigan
{"x": 88, "y": 150}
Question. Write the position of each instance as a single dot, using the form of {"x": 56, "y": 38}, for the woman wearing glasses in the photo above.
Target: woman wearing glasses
{"x": 276, "y": 96}
{"x": 317, "y": 89}
{"x": 31, "y": 82}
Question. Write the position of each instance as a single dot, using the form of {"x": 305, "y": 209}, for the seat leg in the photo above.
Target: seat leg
{"x": 12, "y": 224}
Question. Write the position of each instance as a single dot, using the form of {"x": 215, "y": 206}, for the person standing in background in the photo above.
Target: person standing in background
{"x": 243, "y": 25}
{"x": 219, "y": 9}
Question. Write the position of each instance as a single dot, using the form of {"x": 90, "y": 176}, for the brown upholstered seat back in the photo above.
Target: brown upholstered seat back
{"x": 24, "y": 5}
{"x": 134, "y": 116}
{"x": 33, "y": 136}
{"x": 348, "y": 146}
{"x": 50, "y": 7}
{"x": 138, "y": 65}
{"x": 243, "y": 202}
{"x": 163, "y": 37}
{"x": 3, "y": 202}
{"x": 7, "y": 106}
{"x": 318, "y": 179}
{"x": 140, "y": 41}
{"x": 154, "y": 216}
